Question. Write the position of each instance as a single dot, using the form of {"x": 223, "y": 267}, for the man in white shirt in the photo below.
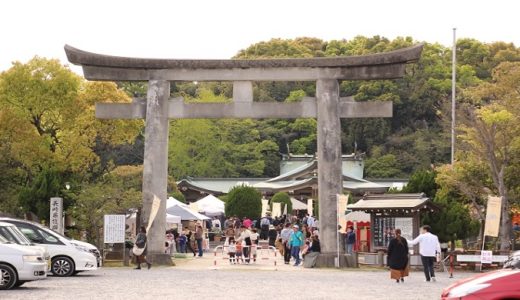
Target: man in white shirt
{"x": 286, "y": 235}
{"x": 429, "y": 247}
{"x": 310, "y": 221}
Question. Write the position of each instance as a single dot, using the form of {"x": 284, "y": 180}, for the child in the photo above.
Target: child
{"x": 182, "y": 242}
{"x": 254, "y": 241}
{"x": 232, "y": 249}
{"x": 238, "y": 252}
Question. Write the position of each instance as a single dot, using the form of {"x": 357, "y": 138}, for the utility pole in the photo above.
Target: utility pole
{"x": 453, "y": 91}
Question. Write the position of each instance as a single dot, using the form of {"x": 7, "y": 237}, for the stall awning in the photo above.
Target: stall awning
{"x": 385, "y": 202}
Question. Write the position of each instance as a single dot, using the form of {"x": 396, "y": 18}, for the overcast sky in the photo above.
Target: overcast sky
{"x": 219, "y": 29}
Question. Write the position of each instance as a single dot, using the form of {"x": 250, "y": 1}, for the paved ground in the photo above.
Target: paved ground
{"x": 198, "y": 279}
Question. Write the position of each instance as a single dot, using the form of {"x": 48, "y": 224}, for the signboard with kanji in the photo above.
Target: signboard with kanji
{"x": 114, "y": 229}
{"x": 486, "y": 257}
{"x": 56, "y": 215}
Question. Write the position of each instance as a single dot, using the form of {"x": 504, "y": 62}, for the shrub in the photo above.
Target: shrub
{"x": 244, "y": 201}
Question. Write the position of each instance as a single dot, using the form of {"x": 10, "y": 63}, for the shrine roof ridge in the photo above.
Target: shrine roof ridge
{"x": 400, "y": 56}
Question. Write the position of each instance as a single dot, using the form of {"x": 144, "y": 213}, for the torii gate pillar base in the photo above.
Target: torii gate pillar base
{"x": 160, "y": 259}
{"x": 328, "y": 260}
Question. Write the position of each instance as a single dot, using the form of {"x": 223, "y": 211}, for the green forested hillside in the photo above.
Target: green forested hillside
{"x": 416, "y": 137}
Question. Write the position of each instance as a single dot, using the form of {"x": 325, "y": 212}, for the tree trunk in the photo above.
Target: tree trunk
{"x": 505, "y": 220}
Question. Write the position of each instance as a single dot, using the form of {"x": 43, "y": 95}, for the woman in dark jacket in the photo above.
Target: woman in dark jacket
{"x": 140, "y": 242}
{"x": 398, "y": 257}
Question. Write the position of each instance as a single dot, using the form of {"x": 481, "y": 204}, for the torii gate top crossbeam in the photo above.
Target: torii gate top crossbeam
{"x": 386, "y": 65}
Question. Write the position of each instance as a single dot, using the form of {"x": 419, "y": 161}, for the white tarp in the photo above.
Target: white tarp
{"x": 297, "y": 204}
{"x": 172, "y": 201}
{"x": 211, "y": 206}
{"x": 185, "y": 213}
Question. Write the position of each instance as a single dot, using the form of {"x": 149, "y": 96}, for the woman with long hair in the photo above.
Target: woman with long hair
{"x": 140, "y": 243}
{"x": 398, "y": 257}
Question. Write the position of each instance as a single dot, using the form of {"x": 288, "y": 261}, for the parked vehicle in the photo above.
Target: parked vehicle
{"x": 19, "y": 264}
{"x": 67, "y": 256}
{"x": 513, "y": 262}
{"x": 501, "y": 284}
{"x": 12, "y": 234}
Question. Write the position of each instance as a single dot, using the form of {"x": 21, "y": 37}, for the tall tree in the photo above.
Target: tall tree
{"x": 491, "y": 133}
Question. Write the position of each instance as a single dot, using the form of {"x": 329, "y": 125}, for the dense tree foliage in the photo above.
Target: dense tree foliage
{"x": 49, "y": 133}
{"x": 453, "y": 221}
{"x": 415, "y": 138}
{"x": 244, "y": 201}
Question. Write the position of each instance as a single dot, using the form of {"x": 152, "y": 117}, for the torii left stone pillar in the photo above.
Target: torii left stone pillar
{"x": 327, "y": 107}
{"x": 155, "y": 166}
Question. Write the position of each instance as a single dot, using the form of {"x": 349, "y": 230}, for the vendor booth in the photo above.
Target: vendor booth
{"x": 391, "y": 211}
{"x": 211, "y": 206}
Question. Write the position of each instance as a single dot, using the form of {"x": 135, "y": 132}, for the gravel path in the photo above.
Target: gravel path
{"x": 195, "y": 279}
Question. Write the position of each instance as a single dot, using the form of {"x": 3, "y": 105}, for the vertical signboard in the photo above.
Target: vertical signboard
{"x": 493, "y": 211}
{"x": 114, "y": 229}
{"x": 265, "y": 206}
{"x": 277, "y": 209}
{"x": 342, "y": 207}
{"x": 310, "y": 206}
{"x": 56, "y": 215}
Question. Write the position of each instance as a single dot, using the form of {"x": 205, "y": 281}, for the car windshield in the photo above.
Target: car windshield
{"x": 3, "y": 240}
{"x": 13, "y": 235}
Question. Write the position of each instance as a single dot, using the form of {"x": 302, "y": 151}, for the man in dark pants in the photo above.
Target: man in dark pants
{"x": 285, "y": 234}
{"x": 198, "y": 238}
{"x": 429, "y": 248}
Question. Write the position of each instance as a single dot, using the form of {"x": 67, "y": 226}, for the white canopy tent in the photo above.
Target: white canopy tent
{"x": 211, "y": 206}
{"x": 186, "y": 214}
{"x": 298, "y": 205}
{"x": 172, "y": 201}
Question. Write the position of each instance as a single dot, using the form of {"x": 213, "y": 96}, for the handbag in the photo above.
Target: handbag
{"x": 138, "y": 251}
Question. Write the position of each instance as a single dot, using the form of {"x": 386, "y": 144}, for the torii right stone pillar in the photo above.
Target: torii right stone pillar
{"x": 330, "y": 178}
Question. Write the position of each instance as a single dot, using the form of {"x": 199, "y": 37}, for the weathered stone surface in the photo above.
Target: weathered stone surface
{"x": 328, "y": 260}
{"x": 242, "y": 91}
{"x": 155, "y": 171}
{"x": 401, "y": 56}
{"x": 369, "y": 72}
{"x": 307, "y": 108}
{"x": 329, "y": 162}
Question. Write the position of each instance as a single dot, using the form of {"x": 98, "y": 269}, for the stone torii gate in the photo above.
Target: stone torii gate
{"x": 327, "y": 107}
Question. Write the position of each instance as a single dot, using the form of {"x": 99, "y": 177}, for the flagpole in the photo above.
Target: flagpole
{"x": 453, "y": 91}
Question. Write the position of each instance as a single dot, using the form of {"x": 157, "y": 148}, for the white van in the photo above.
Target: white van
{"x": 19, "y": 264}
{"x": 67, "y": 258}
{"x": 12, "y": 234}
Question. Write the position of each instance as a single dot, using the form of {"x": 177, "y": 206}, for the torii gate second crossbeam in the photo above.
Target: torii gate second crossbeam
{"x": 327, "y": 107}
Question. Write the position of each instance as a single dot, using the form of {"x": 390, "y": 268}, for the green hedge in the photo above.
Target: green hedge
{"x": 244, "y": 201}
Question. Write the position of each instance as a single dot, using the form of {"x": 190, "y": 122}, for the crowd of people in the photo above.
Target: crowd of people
{"x": 296, "y": 239}
{"x": 293, "y": 237}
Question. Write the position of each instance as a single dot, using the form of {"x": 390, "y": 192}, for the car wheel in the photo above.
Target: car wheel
{"x": 62, "y": 266}
{"x": 8, "y": 277}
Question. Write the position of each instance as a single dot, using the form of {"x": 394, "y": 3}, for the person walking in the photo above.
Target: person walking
{"x": 398, "y": 257}
{"x": 198, "y": 238}
{"x": 296, "y": 242}
{"x": 264, "y": 227}
{"x": 272, "y": 235}
{"x": 285, "y": 235}
{"x": 140, "y": 252}
{"x": 189, "y": 243}
{"x": 350, "y": 240}
{"x": 245, "y": 238}
{"x": 429, "y": 248}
